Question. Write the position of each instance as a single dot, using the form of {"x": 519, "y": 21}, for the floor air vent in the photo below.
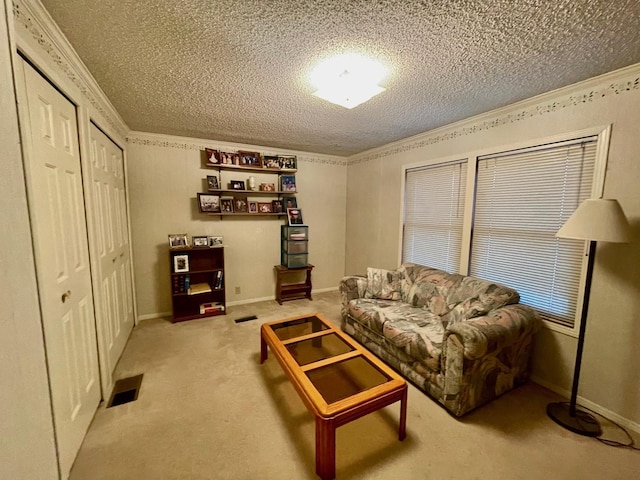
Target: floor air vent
{"x": 125, "y": 390}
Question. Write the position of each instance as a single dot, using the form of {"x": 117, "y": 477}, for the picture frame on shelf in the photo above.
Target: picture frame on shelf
{"x": 267, "y": 187}
{"x": 294, "y": 215}
{"x": 264, "y": 207}
{"x": 289, "y": 202}
{"x": 250, "y": 159}
{"x": 226, "y": 205}
{"x": 236, "y": 185}
{"x": 240, "y": 205}
{"x": 287, "y": 162}
{"x": 213, "y": 156}
{"x": 212, "y": 183}
{"x": 180, "y": 263}
{"x": 276, "y": 206}
{"x": 200, "y": 241}
{"x": 270, "y": 161}
{"x": 253, "y": 207}
{"x": 178, "y": 240}
{"x": 208, "y": 203}
{"x": 229, "y": 158}
{"x": 288, "y": 183}
{"x": 215, "y": 241}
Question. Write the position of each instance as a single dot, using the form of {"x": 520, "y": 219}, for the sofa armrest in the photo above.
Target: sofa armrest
{"x": 352, "y": 287}
{"x": 490, "y": 333}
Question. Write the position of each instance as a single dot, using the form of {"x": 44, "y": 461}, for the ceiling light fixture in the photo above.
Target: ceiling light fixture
{"x": 348, "y": 80}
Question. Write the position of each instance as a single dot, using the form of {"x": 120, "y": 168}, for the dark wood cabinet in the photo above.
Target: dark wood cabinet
{"x": 197, "y": 282}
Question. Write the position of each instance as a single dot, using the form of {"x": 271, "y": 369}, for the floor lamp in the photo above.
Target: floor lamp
{"x": 594, "y": 220}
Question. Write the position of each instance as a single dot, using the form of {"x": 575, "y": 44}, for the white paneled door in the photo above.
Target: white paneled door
{"x": 110, "y": 246}
{"x": 56, "y": 206}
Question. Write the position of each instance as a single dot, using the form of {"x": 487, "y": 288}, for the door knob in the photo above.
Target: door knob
{"x": 66, "y": 295}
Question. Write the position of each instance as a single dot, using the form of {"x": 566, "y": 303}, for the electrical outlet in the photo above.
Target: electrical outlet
{"x": 237, "y": 290}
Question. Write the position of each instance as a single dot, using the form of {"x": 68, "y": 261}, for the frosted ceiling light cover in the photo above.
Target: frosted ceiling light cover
{"x": 348, "y": 80}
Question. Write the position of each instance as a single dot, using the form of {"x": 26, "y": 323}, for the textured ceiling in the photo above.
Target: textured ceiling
{"x": 236, "y": 70}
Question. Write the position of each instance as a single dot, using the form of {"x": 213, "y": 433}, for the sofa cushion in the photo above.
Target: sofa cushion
{"x": 427, "y": 287}
{"x": 414, "y": 330}
{"x": 476, "y": 297}
{"x": 384, "y": 284}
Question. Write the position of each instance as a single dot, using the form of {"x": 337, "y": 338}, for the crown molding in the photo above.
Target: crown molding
{"x": 35, "y": 26}
{"x": 592, "y": 90}
{"x": 188, "y": 143}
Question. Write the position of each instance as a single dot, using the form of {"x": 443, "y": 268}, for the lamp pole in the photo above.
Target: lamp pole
{"x": 578, "y": 421}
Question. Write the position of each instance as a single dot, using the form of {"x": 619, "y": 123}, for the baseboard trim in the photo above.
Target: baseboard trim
{"x": 605, "y": 412}
{"x": 151, "y": 316}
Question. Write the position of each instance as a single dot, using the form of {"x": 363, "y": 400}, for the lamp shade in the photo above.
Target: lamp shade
{"x": 597, "y": 219}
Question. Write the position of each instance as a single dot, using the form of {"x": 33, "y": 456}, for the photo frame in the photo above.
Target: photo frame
{"x": 236, "y": 185}
{"x": 289, "y": 202}
{"x": 213, "y": 156}
{"x": 250, "y": 159}
{"x": 267, "y": 187}
{"x": 215, "y": 241}
{"x": 226, "y": 205}
{"x": 181, "y": 263}
{"x": 253, "y": 207}
{"x": 294, "y": 215}
{"x": 212, "y": 183}
{"x": 229, "y": 158}
{"x": 276, "y": 206}
{"x": 264, "y": 207}
{"x": 240, "y": 205}
{"x": 178, "y": 240}
{"x": 271, "y": 161}
{"x": 208, "y": 203}
{"x": 287, "y": 162}
{"x": 200, "y": 241}
{"x": 288, "y": 183}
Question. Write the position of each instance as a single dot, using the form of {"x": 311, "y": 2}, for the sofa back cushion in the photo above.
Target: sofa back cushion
{"x": 383, "y": 284}
{"x": 452, "y": 296}
{"x": 424, "y": 287}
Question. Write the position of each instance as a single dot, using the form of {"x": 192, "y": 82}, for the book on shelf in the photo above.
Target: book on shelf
{"x": 218, "y": 280}
{"x": 197, "y": 288}
{"x": 180, "y": 284}
{"x": 211, "y": 308}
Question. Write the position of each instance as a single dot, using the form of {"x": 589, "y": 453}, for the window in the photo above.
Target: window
{"x": 433, "y": 215}
{"x": 522, "y": 199}
{"x": 500, "y": 224}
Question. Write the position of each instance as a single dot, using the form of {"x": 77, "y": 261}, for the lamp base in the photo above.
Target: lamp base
{"x": 582, "y": 423}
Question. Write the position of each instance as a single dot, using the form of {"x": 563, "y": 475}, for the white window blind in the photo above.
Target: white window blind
{"x": 433, "y": 215}
{"x": 522, "y": 199}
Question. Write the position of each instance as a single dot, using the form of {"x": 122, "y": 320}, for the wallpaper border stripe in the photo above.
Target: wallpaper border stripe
{"x": 592, "y": 90}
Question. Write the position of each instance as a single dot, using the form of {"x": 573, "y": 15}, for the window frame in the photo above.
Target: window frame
{"x": 603, "y": 134}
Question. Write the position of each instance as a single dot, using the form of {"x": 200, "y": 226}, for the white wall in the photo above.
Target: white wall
{"x": 26, "y": 427}
{"x": 165, "y": 173}
{"x": 609, "y": 377}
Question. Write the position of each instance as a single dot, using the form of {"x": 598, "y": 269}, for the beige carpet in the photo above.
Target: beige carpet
{"x": 208, "y": 410}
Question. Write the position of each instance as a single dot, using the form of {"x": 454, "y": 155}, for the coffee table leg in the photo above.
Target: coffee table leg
{"x": 325, "y": 449}
{"x": 263, "y": 349}
{"x": 402, "y": 429}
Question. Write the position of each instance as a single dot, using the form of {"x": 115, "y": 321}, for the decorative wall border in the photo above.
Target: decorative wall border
{"x": 43, "y": 40}
{"x": 182, "y": 143}
{"x": 517, "y": 112}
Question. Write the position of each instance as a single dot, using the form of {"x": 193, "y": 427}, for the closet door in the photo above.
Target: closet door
{"x": 110, "y": 243}
{"x": 56, "y": 207}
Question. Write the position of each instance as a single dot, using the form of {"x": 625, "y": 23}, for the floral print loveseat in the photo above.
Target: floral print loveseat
{"x": 461, "y": 340}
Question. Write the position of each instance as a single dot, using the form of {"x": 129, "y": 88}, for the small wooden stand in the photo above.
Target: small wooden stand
{"x": 293, "y": 291}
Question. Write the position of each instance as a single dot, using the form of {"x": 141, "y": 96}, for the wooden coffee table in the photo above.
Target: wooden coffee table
{"x": 336, "y": 378}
